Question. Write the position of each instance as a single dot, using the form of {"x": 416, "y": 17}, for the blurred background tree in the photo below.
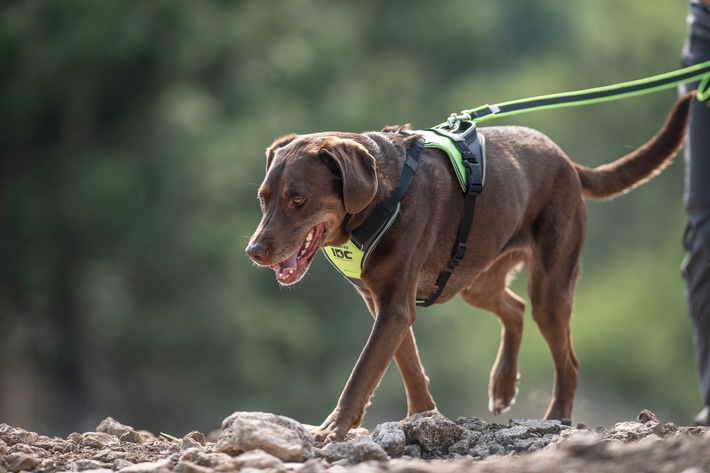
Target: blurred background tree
{"x": 131, "y": 148}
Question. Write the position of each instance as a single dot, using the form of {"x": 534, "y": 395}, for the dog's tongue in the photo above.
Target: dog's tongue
{"x": 282, "y": 268}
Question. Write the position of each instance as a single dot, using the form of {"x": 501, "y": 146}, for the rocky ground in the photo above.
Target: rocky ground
{"x": 255, "y": 442}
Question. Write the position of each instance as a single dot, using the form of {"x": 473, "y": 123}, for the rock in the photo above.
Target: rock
{"x": 120, "y": 464}
{"x": 75, "y": 438}
{"x": 20, "y": 461}
{"x": 646, "y": 416}
{"x": 413, "y": 450}
{"x": 22, "y": 448}
{"x": 219, "y": 461}
{"x": 354, "y": 451}
{"x": 584, "y": 444}
{"x": 463, "y": 446}
{"x": 511, "y": 434}
{"x": 131, "y": 437}
{"x": 632, "y": 430}
{"x": 312, "y": 466}
{"x": 257, "y": 459}
{"x": 188, "y": 467}
{"x": 471, "y": 424}
{"x": 160, "y": 466}
{"x": 390, "y": 436}
{"x": 97, "y": 440}
{"x": 487, "y": 449}
{"x": 198, "y": 437}
{"x": 670, "y": 427}
{"x": 629, "y": 446}
{"x": 87, "y": 464}
{"x": 530, "y": 444}
{"x": 111, "y": 426}
{"x": 540, "y": 426}
{"x": 190, "y": 443}
{"x": 108, "y": 455}
{"x": 147, "y": 436}
{"x": 13, "y": 435}
{"x": 280, "y": 436}
{"x": 354, "y": 433}
{"x": 190, "y": 454}
{"x": 431, "y": 430}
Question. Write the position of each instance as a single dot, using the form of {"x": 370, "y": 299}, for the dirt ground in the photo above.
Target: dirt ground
{"x": 254, "y": 442}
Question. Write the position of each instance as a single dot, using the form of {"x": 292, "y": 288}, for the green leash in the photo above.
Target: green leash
{"x": 588, "y": 96}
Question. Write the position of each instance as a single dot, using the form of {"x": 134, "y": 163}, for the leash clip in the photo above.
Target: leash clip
{"x": 454, "y": 120}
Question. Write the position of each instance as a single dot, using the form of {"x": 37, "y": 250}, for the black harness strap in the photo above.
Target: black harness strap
{"x": 378, "y": 222}
{"x": 380, "y": 217}
{"x": 471, "y": 151}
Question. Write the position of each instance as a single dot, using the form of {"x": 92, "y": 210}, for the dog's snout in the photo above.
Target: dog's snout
{"x": 257, "y": 251}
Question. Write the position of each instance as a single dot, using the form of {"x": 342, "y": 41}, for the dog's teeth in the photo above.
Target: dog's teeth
{"x": 306, "y": 244}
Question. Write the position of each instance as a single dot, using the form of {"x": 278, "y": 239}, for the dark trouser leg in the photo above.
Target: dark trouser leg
{"x": 696, "y": 271}
{"x": 696, "y": 267}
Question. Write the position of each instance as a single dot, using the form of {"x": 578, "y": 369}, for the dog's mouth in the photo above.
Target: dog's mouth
{"x": 293, "y": 268}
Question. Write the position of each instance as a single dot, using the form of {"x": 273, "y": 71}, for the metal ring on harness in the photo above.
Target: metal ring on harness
{"x": 454, "y": 120}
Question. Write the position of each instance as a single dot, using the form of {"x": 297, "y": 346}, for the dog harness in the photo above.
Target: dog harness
{"x": 466, "y": 151}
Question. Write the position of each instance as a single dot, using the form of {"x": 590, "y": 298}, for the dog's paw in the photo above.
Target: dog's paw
{"x": 322, "y": 437}
{"x": 330, "y": 431}
{"x": 499, "y": 406}
{"x": 501, "y": 397}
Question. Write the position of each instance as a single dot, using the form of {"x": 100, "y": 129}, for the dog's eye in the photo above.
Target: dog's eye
{"x": 297, "y": 201}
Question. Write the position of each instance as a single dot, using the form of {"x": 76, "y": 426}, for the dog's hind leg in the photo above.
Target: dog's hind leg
{"x": 552, "y": 276}
{"x": 416, "y": 382}
{"x": 489, "y": 292}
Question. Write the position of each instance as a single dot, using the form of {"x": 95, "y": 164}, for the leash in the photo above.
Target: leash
{"x": 608, "y": 93}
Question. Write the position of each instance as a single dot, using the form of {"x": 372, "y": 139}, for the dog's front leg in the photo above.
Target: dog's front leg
{"x": 391, "y": 326}
{"x": 416, "y": 383}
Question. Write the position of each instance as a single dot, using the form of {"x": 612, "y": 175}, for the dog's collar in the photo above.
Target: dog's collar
{"x": 466, "y": 151}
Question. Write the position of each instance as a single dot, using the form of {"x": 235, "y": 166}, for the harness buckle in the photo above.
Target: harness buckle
{"x": 457, "y": 255}
{"x": 474, "y": 181}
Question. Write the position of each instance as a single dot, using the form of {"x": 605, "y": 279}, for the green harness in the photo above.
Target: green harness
{"x": 466, "y": 152}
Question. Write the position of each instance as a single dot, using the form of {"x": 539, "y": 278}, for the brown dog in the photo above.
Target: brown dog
{"x": 320, "y": 187}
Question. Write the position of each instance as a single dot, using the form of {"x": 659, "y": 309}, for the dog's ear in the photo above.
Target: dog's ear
{"x": 355, "y": 166}
{"x": 279, "y": 143}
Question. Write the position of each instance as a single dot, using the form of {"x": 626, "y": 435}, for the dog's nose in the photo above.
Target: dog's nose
{"x": 257, "y": 251}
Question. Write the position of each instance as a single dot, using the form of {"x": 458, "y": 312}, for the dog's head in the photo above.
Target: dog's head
{"x": 312, "y": 183}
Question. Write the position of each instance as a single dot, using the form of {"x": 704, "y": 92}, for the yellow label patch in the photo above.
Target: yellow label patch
{"x": 346, "y": 258}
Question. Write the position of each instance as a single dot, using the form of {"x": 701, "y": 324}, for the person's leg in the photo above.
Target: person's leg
{"x": 696, "y": 267}
{"x": 696, "y": 271}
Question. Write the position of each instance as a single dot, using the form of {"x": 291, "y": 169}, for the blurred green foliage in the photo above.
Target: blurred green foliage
{"x": 131, "y": 148}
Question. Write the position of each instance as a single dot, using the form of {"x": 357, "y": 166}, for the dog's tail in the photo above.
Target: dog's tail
{"x": 642, "y": 164}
